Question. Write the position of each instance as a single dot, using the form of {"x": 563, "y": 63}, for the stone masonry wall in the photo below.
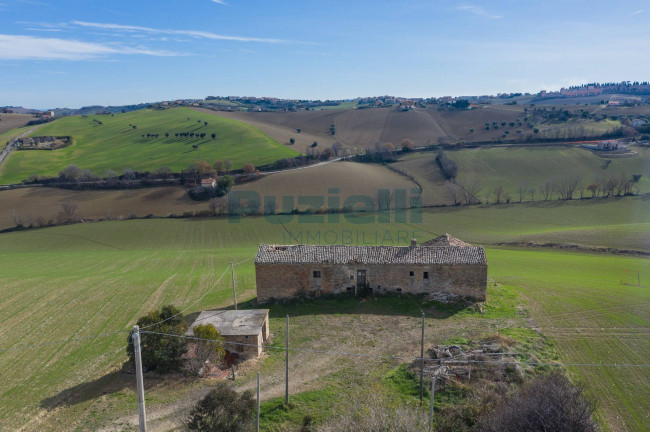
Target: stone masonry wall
{"x": 281, "y": 281}
{"x": 245, "y": 350}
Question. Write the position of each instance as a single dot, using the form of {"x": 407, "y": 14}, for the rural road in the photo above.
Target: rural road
{"x": 7, "y": 149}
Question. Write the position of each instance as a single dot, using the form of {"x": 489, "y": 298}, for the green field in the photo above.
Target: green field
{"x": 79, "y": 280}
{"x": 531, "y": 166}
{"x": 115, "y": 145}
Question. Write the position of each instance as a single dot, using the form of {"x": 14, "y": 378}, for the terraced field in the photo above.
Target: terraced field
{"x": 115, "y": 144}
{"x": 80, "y": 280}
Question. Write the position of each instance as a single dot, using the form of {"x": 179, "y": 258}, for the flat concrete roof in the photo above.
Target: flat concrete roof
{"x": 232, "y": 322}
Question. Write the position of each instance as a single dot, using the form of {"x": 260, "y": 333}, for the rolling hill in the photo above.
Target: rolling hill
{"x": 510, "y": 167}
{"x": 110, "y": 142}
{"x": 358, "y": 129}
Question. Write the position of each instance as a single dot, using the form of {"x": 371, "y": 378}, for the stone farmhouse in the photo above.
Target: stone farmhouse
{"x": 442, "y": 264}
{"x": 244, "y": 331}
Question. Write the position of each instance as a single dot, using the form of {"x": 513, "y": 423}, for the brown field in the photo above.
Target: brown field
{"x": 12, "y": 121}
{"x": 349, "y": 177}
{"x": 362, "y": 128}
{"x": 47, "y": 203}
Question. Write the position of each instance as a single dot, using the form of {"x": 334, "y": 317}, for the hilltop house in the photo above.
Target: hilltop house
{"x": 208, "y": 182}
{"x": 244, "y": 331}
{"x": 442, "y": 264}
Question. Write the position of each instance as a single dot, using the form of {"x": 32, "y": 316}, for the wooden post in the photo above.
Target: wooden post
{"x": 422, "y": 361}
{"x": 138, "y": 379}
{"x": 433, "y": 392}
{"x": 234, "y": 292}
{"x": 258, "y": 402}
{"x": 286, "y": 390}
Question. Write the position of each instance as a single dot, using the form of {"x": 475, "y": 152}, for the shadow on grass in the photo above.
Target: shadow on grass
{"x": 113, "y": 382}
{"x": 404, "y": 305}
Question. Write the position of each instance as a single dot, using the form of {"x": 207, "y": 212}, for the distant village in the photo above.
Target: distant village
{"x": 614, "y": 94}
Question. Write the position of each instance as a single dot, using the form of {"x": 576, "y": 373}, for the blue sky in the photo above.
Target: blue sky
{"x": 80, "y": 52}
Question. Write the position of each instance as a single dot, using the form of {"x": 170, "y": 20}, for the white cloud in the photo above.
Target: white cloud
{"x": 478, "y": 10}
{"x": 221, "y": 2}
{"x": 638, "y": 12}
{"x": 191, "y": 33}
{"x": 14, "y": 47}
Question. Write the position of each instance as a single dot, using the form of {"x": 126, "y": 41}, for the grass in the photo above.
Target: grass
{"x": 84, "y": 279}
{"x": 530, "y": 166}
{"x": 115, "y": 145}
{"x": 10, "y": 134}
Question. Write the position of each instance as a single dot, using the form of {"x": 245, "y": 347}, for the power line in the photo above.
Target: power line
{"x": 190, "y": 305}
{"x": 78, "y": 339}
{"x": 60, "y": 342}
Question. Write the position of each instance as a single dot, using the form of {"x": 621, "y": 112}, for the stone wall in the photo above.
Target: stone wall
{"x": 245, "y": 350}
{"x": 281, "y": 281}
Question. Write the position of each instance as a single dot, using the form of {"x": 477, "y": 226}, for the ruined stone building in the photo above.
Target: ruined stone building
{"x": 244, "y": 331}
{"x": 442, "y": 264}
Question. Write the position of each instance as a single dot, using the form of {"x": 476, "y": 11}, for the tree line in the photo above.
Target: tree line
{"x": 470, "y": 191}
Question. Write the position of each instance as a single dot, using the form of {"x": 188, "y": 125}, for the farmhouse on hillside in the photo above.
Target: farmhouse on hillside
{"x": 244, "y": 331}
{"x": 442, "y": 264}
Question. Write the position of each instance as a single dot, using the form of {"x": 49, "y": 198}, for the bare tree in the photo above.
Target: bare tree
{"x": 68, "y": 212}
{"x": 128, "y": 174}
{"x": 19, "y": 220}
{"x": 609, "y": 186}
{"x": 207, "y": 347}
{"x": 593, "y": 188}
{"x": 470, "y": 190}
{"x": 548, "y": 403}
{"x": 522, "y": 188}
{"x": 546, "y": 189}
{"x": 217, "y": 206}
{"x": 531, "y": 191}
{"x": 453, "y": 191}
{"x": 566, "y": 187}
{"x": 499, "y": 194}
{"x": 336, "y": 148}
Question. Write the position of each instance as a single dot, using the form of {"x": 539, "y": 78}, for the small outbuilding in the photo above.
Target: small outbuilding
{"x": 244, "y": 331}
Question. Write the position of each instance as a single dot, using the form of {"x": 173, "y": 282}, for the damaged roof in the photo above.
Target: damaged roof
{"x": 232, "y": 322}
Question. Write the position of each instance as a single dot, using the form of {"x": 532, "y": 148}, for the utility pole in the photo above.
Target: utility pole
{"x": 422, "y": 361}
{"x": 286, "y": 384}
{"x": 138, "y": 378}
{"x": 433, "y": 392}
{"x": 258, "y": 402}
{"x": 232, "y": 275}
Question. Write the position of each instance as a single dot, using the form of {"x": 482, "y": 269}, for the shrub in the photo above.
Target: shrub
{"x": 223, "y": 410}
{"x": 550, "y": 403}
{"x": 161, "y": 352}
